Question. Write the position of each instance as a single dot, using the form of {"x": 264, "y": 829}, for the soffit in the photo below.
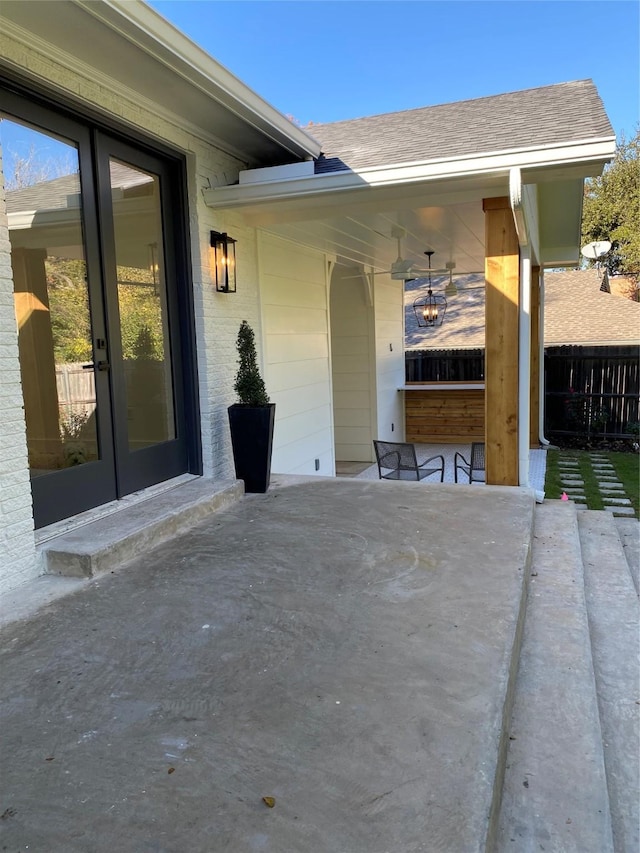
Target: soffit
{"x": 129, "y": 47}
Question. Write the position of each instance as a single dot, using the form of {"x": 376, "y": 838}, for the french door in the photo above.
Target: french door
{"x": 97, "y": 260}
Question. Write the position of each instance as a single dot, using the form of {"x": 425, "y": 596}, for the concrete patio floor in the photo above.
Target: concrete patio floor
{"x": 346, "y": 647}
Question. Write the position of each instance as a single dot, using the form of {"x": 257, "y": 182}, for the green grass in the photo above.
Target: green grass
{"x": 626, "y": 466}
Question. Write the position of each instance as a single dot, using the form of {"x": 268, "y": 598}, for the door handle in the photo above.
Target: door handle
{"x": 101, "y": 365}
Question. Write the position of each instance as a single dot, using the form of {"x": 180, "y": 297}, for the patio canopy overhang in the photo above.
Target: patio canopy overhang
{"x": 350, "y": 214}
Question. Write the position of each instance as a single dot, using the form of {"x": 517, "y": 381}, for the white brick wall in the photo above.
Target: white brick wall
{"x": 218, "y": 316}
{"x": 17, "y": 549}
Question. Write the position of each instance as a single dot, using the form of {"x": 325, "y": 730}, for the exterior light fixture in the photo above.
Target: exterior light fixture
{"x": 224, "y": 250}
{"x": 430, "y": 309}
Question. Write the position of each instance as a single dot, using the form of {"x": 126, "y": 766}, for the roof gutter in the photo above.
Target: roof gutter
{"x": 587, "y": 156}
{"x": 149, "y": 31}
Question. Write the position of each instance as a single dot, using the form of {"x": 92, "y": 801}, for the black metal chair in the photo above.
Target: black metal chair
{"x": 472, "y": 468}
{"x": 399, "y": 461}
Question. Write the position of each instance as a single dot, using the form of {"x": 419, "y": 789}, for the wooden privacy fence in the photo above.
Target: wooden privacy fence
{"x": 444, "y": 365}
{"x": 76, "y": 394}
{"x": 592, "y": 390}
{"x": 588, "y": 390}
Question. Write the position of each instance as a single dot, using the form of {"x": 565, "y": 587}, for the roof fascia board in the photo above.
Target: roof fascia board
{"x": 66, "y": 60}
{"x": 529, "y": 161}
{"x": 524, "y": 203}
{"x": 149, "y": 31}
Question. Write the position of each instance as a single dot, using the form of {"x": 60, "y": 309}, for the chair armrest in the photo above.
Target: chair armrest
{"x": 431, "y": 459}
{"x": 464, "y": 461}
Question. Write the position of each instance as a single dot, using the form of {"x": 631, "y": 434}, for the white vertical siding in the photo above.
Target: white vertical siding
{"x": 352, "y": 336}
{"x": 293, "y": 294}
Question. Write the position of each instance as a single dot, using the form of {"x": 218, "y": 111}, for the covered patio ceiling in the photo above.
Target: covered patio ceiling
{"x": 357, "y": 224}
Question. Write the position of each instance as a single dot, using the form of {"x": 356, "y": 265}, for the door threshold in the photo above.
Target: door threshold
{"x": 108, "y": 543}
{"x": 58, "y": 528}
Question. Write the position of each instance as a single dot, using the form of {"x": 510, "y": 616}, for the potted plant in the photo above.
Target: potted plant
{"x": 251, "y": 419}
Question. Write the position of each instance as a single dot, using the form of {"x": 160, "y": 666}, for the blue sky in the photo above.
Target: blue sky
{"x": 327, "y": 60}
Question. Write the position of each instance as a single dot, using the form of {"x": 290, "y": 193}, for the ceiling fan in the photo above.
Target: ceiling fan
{"x": 451, "y": 288}
{"x": 403, "y": 269}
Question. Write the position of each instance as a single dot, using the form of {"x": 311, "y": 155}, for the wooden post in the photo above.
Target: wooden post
{"x": 502, "y": 275}
{"x": 534, "y": 360}
{"x": 37, "y": 361}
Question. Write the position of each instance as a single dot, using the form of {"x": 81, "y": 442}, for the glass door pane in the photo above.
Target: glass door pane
{"x": 142, "y": 305}
{"x": 51, "y": 295}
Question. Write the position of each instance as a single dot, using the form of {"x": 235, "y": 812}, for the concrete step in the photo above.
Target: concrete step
{"x": 614, "y": 623}
{"x": 555, "y": 793}
{"x": 629, "y": 532}
{"x": 112, "y": 540}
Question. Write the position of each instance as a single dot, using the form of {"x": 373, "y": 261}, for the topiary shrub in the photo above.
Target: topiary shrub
{"x": 249, "y": 385}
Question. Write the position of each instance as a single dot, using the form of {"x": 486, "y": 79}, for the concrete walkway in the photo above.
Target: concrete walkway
{"x": 347, "y": 648}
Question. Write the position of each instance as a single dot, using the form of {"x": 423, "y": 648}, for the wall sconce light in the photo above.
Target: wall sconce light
{"x": 224, "y": 250}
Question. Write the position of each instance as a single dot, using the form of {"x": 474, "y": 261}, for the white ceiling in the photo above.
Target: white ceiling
{"x": 455, "y": 233}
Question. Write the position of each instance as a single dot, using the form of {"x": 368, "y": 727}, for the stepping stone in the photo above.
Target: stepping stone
{"x": 611, "y": 487}
{"x": 603, "y": 469}
{"x": 617, "y": 501}
{"x": 621, "y": 510}
{"x": 567, "y": 463}
{"x": 572, "y": 481}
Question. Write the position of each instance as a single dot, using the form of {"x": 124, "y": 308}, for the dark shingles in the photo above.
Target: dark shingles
{"x": 548, "y": 115}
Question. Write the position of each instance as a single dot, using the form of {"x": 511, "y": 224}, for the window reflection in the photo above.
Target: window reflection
{"x": 142, "y": 305}
{"x": 51, "y": 297}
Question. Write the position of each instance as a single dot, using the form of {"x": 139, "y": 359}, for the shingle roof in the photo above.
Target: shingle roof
{"x": 576, "y": 312}
{"x": 63, "y": 192}
{"x": 550, "y": 114}
{"x": 463, "y": 325}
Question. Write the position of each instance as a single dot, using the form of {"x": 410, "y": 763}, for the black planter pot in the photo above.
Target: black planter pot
{"x": 252, "y": 439}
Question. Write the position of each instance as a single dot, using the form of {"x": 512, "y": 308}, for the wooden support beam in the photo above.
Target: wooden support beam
{"x": 534, "y": 360}
{"x": 502, "y": 274}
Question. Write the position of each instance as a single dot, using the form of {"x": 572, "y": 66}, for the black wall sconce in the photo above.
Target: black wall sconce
{"x": 224, "y": 250}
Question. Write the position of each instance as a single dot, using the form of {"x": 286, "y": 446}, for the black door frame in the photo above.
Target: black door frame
{"x": 85, "y": 487}
{"x": 143, "y": 467}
